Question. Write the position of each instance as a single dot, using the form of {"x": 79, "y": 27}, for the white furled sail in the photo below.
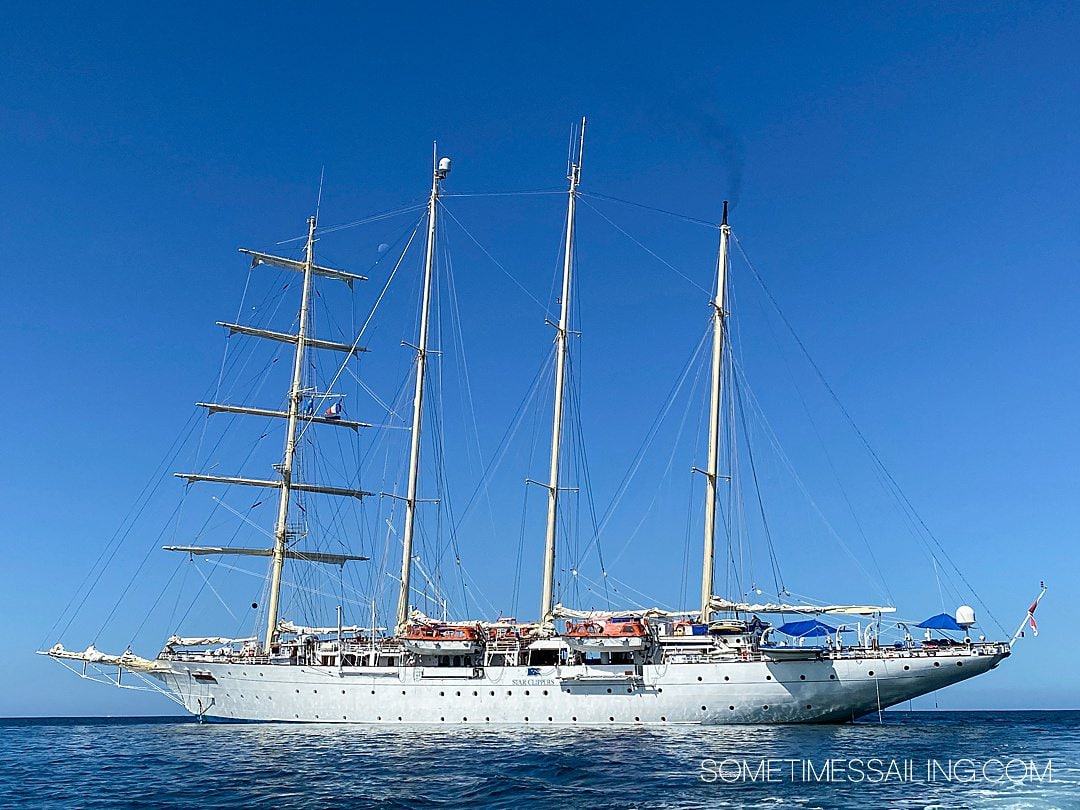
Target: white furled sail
{"x": 718, "y": 603}
{"x": 206, "y": 641}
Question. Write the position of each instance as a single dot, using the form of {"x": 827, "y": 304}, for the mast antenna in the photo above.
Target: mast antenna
{"x": 440, "y": 169}
{"x": 712, "y": 471}
{"x": 561, "y": 338}
{"x": 296, "y": 394}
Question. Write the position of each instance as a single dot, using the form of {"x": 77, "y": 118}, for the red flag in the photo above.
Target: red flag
{"x": 1031, "y": 618}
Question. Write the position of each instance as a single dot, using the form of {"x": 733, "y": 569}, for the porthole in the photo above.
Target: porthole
{"x": 871, "y": 673}
{"x": 442, "y": 719}
{"x": 526, "y": 692}
{"x": 808, "y": 706}
{"x": 766, "y": 707}
{"x": 832, "y": 677}
{"x": 629, "y": 690}
{"x": 661, "y": 689}
{"x": 699, "y": 677}
{"x": 373, "y": 691}
{"x": 937, "y": 663}
{"x": 343, "y": 691}
{"x": 493, "y": 693}
{"x": 298, "y": 691}
{"x": 509, "y": 692}
{"x": 442, "y": 694}
{"x": 768, "y": 677}
{"x": 637, "y": 719}
{"x": 458, "y": 694}
{"x": 802, "y": 677}
{"x": 727, "y": 678}
{"x": 403, "y": 691}
{"x": 379, "y": 717}
{"x": 550, "y": 719}
{"x": 545, "y": 692}
{"x": 475, "y": 693}
{"x": 241, "y": 696}
{"x": 612, "y": 719}
{"x": 316, "y": 717}
{"x": 732, "y": 708}
{"x": 316, "y": 691}
{"x": 526, "y": 719}
{"x": 959, "y": 663}
{"x": 343, "y": 717}
{"x": 704, "y": 708}
{"x": 464, "y": 719}
{"x": 574, "y": 719}
{"x": 663, "y": 719}
{"x": 609, "y": 691}
{"x": 906, "y": 667}
{"x": 487, "y": 719}
{"x": 399, "y": 719}
{"x": 296, "y": 716}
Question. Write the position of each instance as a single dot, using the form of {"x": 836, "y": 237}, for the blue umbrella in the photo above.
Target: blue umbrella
{"x": 806, "y": 629}
{"x": 943, "y": 621}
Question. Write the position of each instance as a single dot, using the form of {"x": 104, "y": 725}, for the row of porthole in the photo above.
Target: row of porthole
{"x": 767, "y": 677}
{"x": 491, "y": 693}
{"x": 700, "y": 678}
{"x": 573, "y": 719}
{"x": 629, "y": 690}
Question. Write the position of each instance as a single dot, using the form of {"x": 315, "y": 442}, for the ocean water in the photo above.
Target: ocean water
{"x": 911, "y": 760}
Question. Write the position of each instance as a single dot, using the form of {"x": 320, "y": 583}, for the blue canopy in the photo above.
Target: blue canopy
{"x": 806, "y": 629}
{"x": 943, "y": 621}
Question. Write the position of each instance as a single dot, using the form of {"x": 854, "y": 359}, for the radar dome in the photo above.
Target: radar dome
{"x": 965, "y": 616}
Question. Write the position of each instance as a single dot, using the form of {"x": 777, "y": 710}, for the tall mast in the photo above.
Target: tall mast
{"x": 712, "y": 472}
{"x": 561, "y": 335}
{"x": 281, "y": 530}
{"x": 441, "y": 168}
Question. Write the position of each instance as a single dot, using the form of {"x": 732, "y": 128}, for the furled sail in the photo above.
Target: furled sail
{"x": 299, "y": 630}
{"x": 562, "y": 612}
{"x": 206, "y": 641}
{"x": 718, "y": 603}
{"x": 91, "y": 655}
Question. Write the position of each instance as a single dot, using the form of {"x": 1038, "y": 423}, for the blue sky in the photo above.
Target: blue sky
{"x": 903, "y": 178}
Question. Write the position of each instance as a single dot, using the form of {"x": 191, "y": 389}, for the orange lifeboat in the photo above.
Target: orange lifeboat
{"x": 584, "y": 630}
{"x": 442, "y": 639}
{"x": 613, "y": 635}
{"x": 625, "y": 629}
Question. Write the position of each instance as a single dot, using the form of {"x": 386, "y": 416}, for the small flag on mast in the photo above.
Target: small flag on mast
{"x": 334, "y": 411}
{"x": 1031, "y": 618}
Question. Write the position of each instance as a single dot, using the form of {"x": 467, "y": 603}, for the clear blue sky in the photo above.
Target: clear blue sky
{"x": 905, "y": 180}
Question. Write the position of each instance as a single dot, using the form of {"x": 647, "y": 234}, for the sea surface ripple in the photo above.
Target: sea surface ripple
{"x": 175, "y": 762}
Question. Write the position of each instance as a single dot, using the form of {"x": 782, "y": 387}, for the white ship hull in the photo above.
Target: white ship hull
{"x": 831, "y": 690}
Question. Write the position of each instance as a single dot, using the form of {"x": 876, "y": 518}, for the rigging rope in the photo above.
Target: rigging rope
{"x": 898, "y": 492}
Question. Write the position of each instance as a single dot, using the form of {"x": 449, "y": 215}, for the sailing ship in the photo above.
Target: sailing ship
{"x": 719, "y": 662}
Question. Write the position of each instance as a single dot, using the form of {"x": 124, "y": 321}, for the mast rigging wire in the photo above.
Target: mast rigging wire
{"x": 898, "y": 492}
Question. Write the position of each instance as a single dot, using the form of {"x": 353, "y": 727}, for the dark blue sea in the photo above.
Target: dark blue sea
{"x": 910, "y": 760}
